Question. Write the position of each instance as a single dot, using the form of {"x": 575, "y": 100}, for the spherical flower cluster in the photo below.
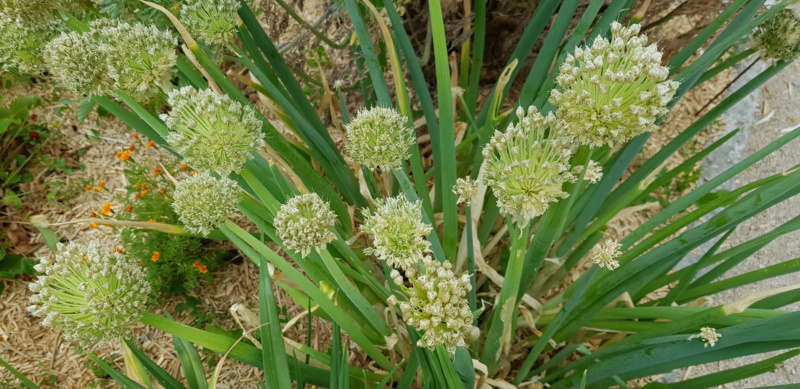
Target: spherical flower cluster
{"x": 32, "y": 12}
{"x": 466, "y": 190}
{"x": 605, "y": 255}
{"x": 304, "y": 223}
{"x": 710, "y": 336}
{"x": 212, "y": 131}
{"x": 594, "y": 172}
{"x": 526, "y": 168}
{"x": 779, "y": 36}
{"x": 90, "y": 294}
{"x": 204, "y": 202}
{"x": 613, "y": 90}
{"x": 398, "y": 232}
{"x": 437, "y": 304}
{"x": 113, "y": 55}
{"x": 379, "y": 137}
{"x": 21, "y": 46}
{"x": 211, "y": 21}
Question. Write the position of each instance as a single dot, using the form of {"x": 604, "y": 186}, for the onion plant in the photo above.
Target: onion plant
{"x": 488, "y": 267}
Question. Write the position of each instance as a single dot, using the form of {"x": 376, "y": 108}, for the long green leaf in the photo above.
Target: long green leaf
{"x": 272, "y": 346}
{"x": 191, "y": 364}
{"x": 160, "y": 374}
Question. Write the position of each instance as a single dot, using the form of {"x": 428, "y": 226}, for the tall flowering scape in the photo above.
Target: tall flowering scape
{"x": 204, "y": 202}
{"x": 379, "y": 137}
{"x": 212, "y": 131}
{"x": 525, "y": 167}
{"x": 614, "y": 90}
{"x": 114, "y": 55}
{"x": 90, "y": 294}
{"x": 437, "y": 304}
{"x": 398, "y": 232}
{"x": 304, "y": 223}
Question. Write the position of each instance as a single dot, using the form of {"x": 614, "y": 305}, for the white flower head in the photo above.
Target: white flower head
{"x": 90, "y": 294}
{"x": 526, "y": 167}
{"x": 710, "y": 336}
{"x": 212, "y": 21}
{"x": 379, "y": 137}
{"x": 398, "y": 232}
{"x": 304, "y": 223}
{"x": 212, "y": 131}
{"x": 466, "y": 190}
{"x": 437, "y": 304}
{"x": 779, "y": 36}
{"x": 204, "y": 202}
{"x": 606, "y": 254}
{"x": 614, "y": 89}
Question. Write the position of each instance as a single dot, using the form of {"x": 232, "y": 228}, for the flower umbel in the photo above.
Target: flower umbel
{"x": 379, "y": 137}
{"x": 212, "y": 21}
{"x": 525, "y": 168}
{"x": 90, "y": 294}
{"x": 212, "y": 131}
{"x": 304, "y": 223}
{"x": 613, "y": 90}
{"x": 779, "y": 36}
{"x": 605, "y": 255}
{"x": 204, "y": 202}
{"x": 398, "y": 232}
{"x": 466, "y": 190}
{"x": 709, "y": 335}
{"x": 437, "y": 304}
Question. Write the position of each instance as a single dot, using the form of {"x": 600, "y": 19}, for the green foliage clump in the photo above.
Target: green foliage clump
{"x": 175, "y": 263}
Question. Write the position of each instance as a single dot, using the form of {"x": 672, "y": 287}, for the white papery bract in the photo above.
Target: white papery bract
{"x": 204, "y": 202}
{"x": 212, "y": 131}
{"x": 398, "y": 232}
{"x": 613, "y": 90}
{"x": 526, "y": 167}
{"x": 437, "y": 304}
{"x": 90, "y": 294}
{"x": 379, "y": 137}
{"x": 304, "y": 223}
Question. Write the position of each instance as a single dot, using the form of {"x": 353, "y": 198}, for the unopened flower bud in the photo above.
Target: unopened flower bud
{"x": 204, "y": 202}
{"x": 398, "y": 232}
{"x": 379, "y": 137}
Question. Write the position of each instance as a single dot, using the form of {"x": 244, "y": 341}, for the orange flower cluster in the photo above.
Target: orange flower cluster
{"x": 107, "y": 208}
{"x": 99, "y": 186}
{"x": 158, "y": 171}
{"x": 124, "y": 156}
{"x": 156, "y": 256}
{"x": 200, "y": 267}
{"x": 129, "y": 208}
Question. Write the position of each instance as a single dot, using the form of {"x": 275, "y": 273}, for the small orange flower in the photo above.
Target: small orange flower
{"x": 135, "y": 136}
{"x": 85, "y": 259}
{"x": 162, "y": 191}
{"x": 196, "y": 172}
{"x": 137, "y": 195}
{"x": 95, "y": 225}
{"x": 132, "y": 147}
{"x": 106, "y": 208}
{"x": 156, "y": 256}
{"x": 125, "y": 155}
{"x": 183, "y": 166}
{"x": 88, "y": 187}
{"x": 197, "y": 264}
{"x": 144, "y": 191}
{"x": 118, "y": 250}
{"x": 152, "y": 220}
{"x": 129, "y": 208}
{"x": 203, "y": 269}
{"x": 101, "y": 185}
{"x": 92, "y": 214}
{"x": 158, "y": 171}
{"x": 150, "y": 144}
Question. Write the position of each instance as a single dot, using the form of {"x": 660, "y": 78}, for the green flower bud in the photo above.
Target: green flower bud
{"x": 213, "y": 21}
{"x": 90, "y": 294}
{"x": 778, "y": 37}
{"x": 379, "y": 137}
{"x": 204, "y": 202}
{"x": 304, "y": 223}
{"x": 212, "y": 131}
{"x": 613, "y": 90}
{"x": 525, "y": 168}
{"x": 398, "y": 232}
{"x": 437, "y": 304}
